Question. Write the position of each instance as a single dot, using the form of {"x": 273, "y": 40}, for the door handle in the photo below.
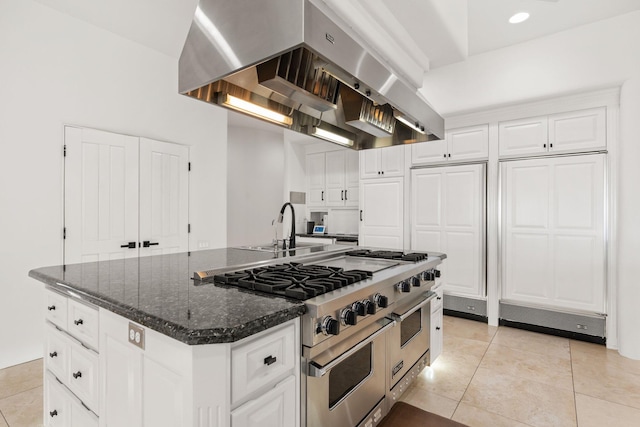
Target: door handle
{"x": 146, "y": 244}
{"x": 342, "y": 195}
{"x": 360, "y": 214}
{"x": 345, "y": 194}
{"x": 130, "y": 245}
{"x": 322, "y": 196}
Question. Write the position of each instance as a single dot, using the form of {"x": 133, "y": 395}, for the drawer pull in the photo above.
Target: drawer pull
{"x": 437, "y": 328}
{"x": 54, "y": 354}
{"x": 77, "y": 375}
{"x": 439, "y": 298}
{"x": 270, "y": 360}
{"x": 78, "y": 322}
{"x": 51, "y": 307}
{"x": 53, "y": 413}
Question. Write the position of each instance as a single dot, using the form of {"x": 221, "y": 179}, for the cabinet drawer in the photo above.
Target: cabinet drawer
{"x": 61, "y": 408}
{"x": 56, "y": 308}
{"x": 57, "y": 351}
{"x": 82, "y": 323}
{"x": 83, "y": 374}
{"x": 274, "y": 408}
{"x": 436, "y": 303}
{"x": 260, "y": 361}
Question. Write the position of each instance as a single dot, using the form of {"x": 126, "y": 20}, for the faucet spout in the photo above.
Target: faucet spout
{"x": 292, "y": 236}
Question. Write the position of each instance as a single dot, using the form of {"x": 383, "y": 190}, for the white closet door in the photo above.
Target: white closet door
{"x": 381, "y": 202}
{"x": 554, "y": 250}
{"x": 447, "y": 216}
{"x": 101, "y": 195}
{"x": 164, "y": 198}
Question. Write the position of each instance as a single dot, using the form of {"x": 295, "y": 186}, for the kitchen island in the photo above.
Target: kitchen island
{"x": 138, "y": 342}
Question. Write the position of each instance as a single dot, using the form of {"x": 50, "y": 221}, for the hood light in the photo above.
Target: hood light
{"x": 255, "y": 110}
{"x": 519, "y": 17}
{"x": 330, "y": 136}
{"x": 413, "y": 126}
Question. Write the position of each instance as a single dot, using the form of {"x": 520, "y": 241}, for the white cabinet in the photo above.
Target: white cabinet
{"x": 447, "y": 215}
{"x": 554, "y": 247}
{"x": 270, "y": 409}
{"x": 574, "y": 131}
{"x": 71, "y": 366}
{"x": 382, "y": 213}
{"x": 468, "y": 143}
{"x": 382, "y": 162}
{"x": 436, "y": 337}
{"x": 332, "y": 179}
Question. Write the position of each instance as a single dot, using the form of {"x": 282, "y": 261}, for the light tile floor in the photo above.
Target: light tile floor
{"x": 504, "y": 377}
{"x": 486, "y": 377}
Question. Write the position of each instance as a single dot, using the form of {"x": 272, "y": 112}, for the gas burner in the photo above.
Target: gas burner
{"x": 395, "y": 255}
{"x": 292, "y": 280}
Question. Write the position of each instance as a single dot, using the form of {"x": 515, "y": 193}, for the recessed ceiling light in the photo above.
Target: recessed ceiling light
{"x": 519, "y": 17}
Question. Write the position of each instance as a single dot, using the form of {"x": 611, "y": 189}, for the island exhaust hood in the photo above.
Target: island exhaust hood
{"x": 286, "y": 62}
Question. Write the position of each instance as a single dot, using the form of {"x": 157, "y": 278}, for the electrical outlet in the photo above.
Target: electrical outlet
{"x": 136, "y": 335}
{"x": 203, "y": 244}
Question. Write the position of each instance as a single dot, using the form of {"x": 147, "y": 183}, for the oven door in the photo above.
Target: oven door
{"x": 345, "y": 383}
{"x": 409, "y": 339}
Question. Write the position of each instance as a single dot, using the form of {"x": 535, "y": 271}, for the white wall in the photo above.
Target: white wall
{"x": 602, "y": 54}
{"x": 256, "y": 177}
{"x": 57, "y": 70}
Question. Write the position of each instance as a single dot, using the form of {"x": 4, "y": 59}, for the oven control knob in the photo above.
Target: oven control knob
{"x": 415, "y": 281}
{"x": 330, "y": 326}
{"x": 437, "y": 273}
{"x": 359, "y": 308}
{"x": 428, "y": 276}
{"x": 369, "y": 307}
{"x": 348, "y": 317}
{"x": 404, "y": 286}
{"x": 381, "y": 300}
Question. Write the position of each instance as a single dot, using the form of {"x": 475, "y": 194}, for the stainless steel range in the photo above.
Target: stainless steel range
{"x": 365, "y": 334}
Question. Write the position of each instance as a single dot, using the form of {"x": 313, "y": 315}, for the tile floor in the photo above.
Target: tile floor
{"x": 486, "y": 377}
{"x": 498, "y": 376}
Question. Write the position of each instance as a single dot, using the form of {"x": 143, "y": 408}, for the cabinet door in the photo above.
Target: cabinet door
{"x": 524, "y": 136}
{"x": 578, "y": 130}
{"x": 447, "y": 215}
{"x": 429, "y": 152}
{"x": 370, "y": 163}
{"x": 57, "y": 405}
{"x": 437, "y": 335}
{"x": 554, "y": 232}
{"x": 274, "y": 408}
{"x": 468, "y": 143}
{"x": 352, "y": 179}
{"x": 392, "y": 161}
{"x": 381, "y": 215}
{"x": 315, "y": 179}
{"x": 335, "y": 177}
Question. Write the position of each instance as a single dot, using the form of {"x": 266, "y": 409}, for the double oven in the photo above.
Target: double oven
{"x": 365, "y": 333}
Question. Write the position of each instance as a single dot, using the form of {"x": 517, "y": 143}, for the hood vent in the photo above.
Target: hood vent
{"x": 291, "y": 65}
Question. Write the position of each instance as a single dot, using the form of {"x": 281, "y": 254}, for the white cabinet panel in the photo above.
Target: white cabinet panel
{"x": 57, "y": 352}
{"x": 163, "y": 388}
{"x": 436, "y": 339}
{"x": 429, "y": 152}
{"x": 382, "y": 162}
{"x": 83, "y": 323}
{"x": 523, "y": 136}
{"x": 56, "y": 308}
{"x": 381, "y": 222}
{"x": 447, "y": 215}
{"x": 315, "y": 179}
{"x": 468, "y": 143}
{"x": 332, "y": 179}
{"x": 369, "y": 164}
{"x": 554, "y": 232}
{"x": 352, "y": 176}
{"x": 335, "y": 178}
{"x": 271, "y": 409}
{"x": 578, "y": 130}
{"x": 57, "y": 405}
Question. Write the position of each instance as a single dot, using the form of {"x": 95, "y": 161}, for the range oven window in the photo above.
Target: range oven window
{"x": 410, "y": 327}
{"x": 349, "y": 374}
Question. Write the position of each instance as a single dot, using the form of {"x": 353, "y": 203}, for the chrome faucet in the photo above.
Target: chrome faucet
{"x": 292, "y": 237}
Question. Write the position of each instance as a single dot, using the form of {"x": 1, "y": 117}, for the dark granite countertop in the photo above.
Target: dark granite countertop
{"x": 159, "y": 292}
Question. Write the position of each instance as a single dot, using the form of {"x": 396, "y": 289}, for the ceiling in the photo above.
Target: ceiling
{"x": 414, "y": 35}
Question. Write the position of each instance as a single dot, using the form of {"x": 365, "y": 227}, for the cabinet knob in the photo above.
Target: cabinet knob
{"x": 544, "y": 145}
{"x": 78, "y": 322}
{"x": 439, "y": 298}
{"x": 270, "y": 360}
{"x": 54, "y": 354}
{"x": 437, "y": 328}
{"x": 53, "y": 413}
{"x": 77, "y": 375}
{"x": 51, "y": 307}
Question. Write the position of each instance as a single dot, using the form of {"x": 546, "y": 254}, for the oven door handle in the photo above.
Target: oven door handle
{"x": 427, "y": 299}
{"x": 320, "y": 371}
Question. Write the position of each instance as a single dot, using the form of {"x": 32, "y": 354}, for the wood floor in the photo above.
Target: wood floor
{"x": 486, "y": 377}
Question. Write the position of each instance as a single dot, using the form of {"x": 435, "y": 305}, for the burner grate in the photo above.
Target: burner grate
{"x": 292, "y": 280}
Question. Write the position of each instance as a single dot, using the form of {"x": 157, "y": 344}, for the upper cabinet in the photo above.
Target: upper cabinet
{"x": 332, "y": 179}
{"x": 385, "y": 162}
{"x": 575, "y": 131}
{"x": 468, "y": 143}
